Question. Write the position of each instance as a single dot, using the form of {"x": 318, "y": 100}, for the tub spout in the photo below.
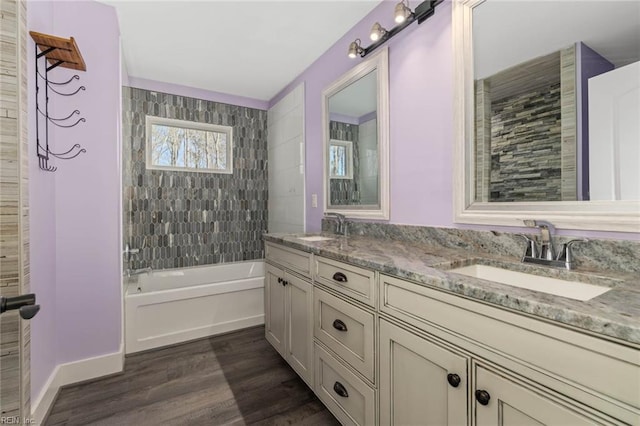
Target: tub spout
{"x": 131, "y": 272}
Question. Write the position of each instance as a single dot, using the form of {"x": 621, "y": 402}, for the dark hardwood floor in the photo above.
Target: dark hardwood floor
{"x": 236, "y": 378}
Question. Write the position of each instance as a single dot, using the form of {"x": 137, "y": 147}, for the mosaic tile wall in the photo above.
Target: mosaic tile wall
{"x": 525, "y": 147}
{"x": 345, "y": 191}
{"x": 179, "y": 219}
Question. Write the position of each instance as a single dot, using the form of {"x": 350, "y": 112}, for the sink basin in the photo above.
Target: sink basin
{"x": 570, "y": 289}
{"x": 315, "y": 238}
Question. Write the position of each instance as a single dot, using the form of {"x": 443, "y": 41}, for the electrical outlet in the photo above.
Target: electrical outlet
{"x": 314, "y": 201}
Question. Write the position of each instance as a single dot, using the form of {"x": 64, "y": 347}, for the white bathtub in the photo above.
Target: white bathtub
{"x": 172, "y": 306}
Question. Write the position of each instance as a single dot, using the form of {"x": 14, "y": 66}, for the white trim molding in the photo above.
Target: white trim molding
{"x": 74, "y": 372}
{"x": 620, "y": 216}
{"x": 379, "y": 62}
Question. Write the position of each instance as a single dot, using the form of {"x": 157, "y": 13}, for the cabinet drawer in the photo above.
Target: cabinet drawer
{"x": 295, "y": 260}
{"x": 350, "y": 280}
{"x": 610, "y": 371}
{"x": 347, "y": 396}
{"x": 345, "y": 329}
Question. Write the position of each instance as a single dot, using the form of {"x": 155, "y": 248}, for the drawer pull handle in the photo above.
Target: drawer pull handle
{"x": 340, "y": 277}
{"x": 340, "y": 390}
{"x": 483, "y": 397}
{"x": 339, "y": 325}
{"x": 454, "y": 380}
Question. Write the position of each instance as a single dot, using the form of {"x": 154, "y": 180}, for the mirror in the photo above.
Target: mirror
{"x": 355, "y": 117}
{"x": 547, "y": 124}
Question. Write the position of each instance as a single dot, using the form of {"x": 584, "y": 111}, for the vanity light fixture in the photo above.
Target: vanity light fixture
{"x": 355, "y": 49}
{"x": 403, "y": 17}
{"x": 377, "y": 32}
{"x": 402, "y": 12}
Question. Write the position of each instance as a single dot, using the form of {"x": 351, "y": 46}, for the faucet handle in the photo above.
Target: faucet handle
{"x": 531, "y": 249}
{"x": 565, "y": 254}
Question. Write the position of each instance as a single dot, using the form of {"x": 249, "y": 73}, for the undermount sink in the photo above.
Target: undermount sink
{"x": 315, "y": 238}
{"x": 570, "y": 289}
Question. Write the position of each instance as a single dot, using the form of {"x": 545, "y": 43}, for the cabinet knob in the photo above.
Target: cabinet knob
{"x": 339, "y": 325}
{"x": 453, "y": 379}
{"x": 340, "y": 277}
{"x": 483, "y": 397}
{"x": 280, "y": 280}
{"x": 285, "y": 282}
{"x": 340, "y": 390}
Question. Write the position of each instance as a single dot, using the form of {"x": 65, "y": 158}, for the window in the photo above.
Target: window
{"x": 340, "y": 159}
{"x": 187, "y": 145}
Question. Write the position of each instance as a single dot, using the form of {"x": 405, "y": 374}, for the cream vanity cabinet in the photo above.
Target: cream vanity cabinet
{"x": 456, "y": 361}
{"x": 421, "y": 381}
{"x": 289, "y": 307}
{"x": 345, "y": 341}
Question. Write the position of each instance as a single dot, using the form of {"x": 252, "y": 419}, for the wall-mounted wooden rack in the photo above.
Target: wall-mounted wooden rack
{"x": 55, "y": 52}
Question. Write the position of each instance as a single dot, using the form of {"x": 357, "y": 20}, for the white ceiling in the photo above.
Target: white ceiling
{"x": 506, "y": 33}
{"x": 243, "y": 48}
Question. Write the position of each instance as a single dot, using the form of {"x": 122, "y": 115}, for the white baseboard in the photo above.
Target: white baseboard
{"x": 74, "y": 372}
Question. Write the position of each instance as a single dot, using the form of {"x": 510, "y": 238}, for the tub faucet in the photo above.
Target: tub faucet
{"x": 132, "y": 272}
{"x": 341, "y": 227}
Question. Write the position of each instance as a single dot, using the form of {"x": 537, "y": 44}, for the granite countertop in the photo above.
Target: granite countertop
{"x": 615, "y": 313}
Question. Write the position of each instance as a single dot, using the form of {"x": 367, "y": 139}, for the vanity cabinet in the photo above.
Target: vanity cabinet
{"x": 380, "y": 350}
{"x": 289, "y": 315}
{"x": 345, "y": 335}
{"x": 421, "y": 381}
{"x": 568, "y": 372}
{"x": 503, "y": 400}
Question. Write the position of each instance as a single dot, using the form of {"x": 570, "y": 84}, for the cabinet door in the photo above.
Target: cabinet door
{"x": 274, "y": 309}
{"x": 507, "y": 402}
{"x": 421, "y": 382}
{"x": 300, "y": 327}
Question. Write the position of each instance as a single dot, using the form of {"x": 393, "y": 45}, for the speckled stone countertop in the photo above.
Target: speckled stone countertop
{"x": 615, "y": 313}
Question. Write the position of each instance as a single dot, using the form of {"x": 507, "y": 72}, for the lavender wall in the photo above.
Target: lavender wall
{"x": 421, "y": 118}
{"x": 42, "y": 223}
{"x": 590, "y": 64}
{"x": 420, "y": 80}
{"x": 75, "y": 214}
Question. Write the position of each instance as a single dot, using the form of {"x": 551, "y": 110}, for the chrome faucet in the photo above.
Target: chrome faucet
{"x": 341, "y": 227}
{"x": 132, "y": 272}
{"x": 129, "y": 252}
{"x": 543, "y": 253}
{"x": 546, "y": 232}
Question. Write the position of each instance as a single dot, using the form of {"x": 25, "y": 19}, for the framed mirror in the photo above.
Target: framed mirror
{"x": 356, "y": 141}
{"x": 547, "y": 104}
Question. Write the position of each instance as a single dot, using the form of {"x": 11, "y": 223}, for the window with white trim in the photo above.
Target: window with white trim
{"x": 188, "y": 146}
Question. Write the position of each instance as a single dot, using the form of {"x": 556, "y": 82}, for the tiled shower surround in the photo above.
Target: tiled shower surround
{"x": 525, "y": 147}
{"x": 345, "y": 191}
{"x": 179, "y": 219}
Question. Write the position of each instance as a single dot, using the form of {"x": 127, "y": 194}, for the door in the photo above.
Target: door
{"x": 274, "y": 310}
{"x": 421, "y": 382}
{"x": 503, "y": 401}
{"x": 300, "y": 327}
{"x": 14, "y": 207}
{"x": 614, "y": 131}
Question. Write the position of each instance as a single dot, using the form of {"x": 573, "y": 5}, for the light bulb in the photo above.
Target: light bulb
{"x": 377, "y": 32}
{"x": 402, "y": 12}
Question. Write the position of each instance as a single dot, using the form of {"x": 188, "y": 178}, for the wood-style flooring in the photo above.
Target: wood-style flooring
{"x": 232, "y": 379}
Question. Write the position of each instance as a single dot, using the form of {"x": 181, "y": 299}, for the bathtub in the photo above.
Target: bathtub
{"x": 173, "y": 306}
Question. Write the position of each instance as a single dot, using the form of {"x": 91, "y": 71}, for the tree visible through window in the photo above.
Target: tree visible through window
{"x": 177, "y": 144}
{"x": 340, "y": 159}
